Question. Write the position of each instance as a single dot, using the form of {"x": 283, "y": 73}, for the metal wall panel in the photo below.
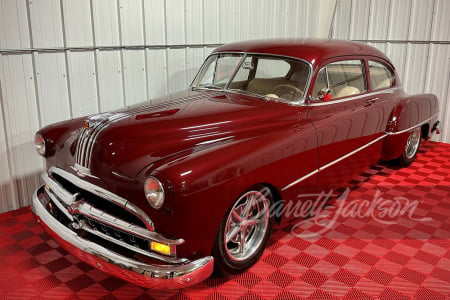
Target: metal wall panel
{"x": 157, "y": 77}
{"x": 155, "y": 22}
{"x": 399, "y": 21}
{"x": 135, "y": 83}
{"x": 194, "y": 21}
{"x": 20, "y": 119}
{"x": 52, "y": 87}
{"x": 77, "y": 23}
{"x": 106, "y": 22}
{"x": 438, "y": 82}
{"x": 7, "y": 191}
{"x": 110, "y": 84}
{"x": 342, "y": 19}
{"x": 194, "y": 59}
{"x": 421, "y": 20}
{"x": 416, "y": 68}
{"x": 379, "y": 19}
{"x": 14, "y": 25}
{"x": 83, "y": 85}
{"x": 441, "y": 21}
{"x": 175, "y": 22}
{"x": 414, "y": 34}
{"x": 46, "y": 23}
{"x": 360, "y": 16}
{"x": 211, "y": 21}
{"x": 131, "y": 22}
{"x": 155, "y": 47}
{"x": 176, "y": 68}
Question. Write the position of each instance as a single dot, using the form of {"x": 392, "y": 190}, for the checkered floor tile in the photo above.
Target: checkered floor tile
{"x": 382, "y": 253}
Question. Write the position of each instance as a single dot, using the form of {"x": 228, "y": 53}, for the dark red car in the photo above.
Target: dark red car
{"x": 159, "y": 195}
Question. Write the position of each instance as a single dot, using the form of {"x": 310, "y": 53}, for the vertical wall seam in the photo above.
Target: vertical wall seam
{"x": 94, "y": 42}
{"x": 186, "y": 50}
{"x": 66, "y": 53}
{"x": 33, "y": 62}
{"x": 330, "y": 31}
{"x": 14, "y": 190}
{"x": 144, "y": 32}
{"x": 166, "y": 50}
{"x": 122, "y": 67}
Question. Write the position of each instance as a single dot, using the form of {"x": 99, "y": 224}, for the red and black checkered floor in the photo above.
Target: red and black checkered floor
{"x": 358, "y": 258}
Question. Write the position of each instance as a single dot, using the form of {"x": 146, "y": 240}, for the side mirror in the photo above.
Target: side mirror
{"x": 325, "y": 94}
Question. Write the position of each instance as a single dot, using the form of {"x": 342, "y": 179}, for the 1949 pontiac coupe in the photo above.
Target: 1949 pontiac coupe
{"x": 160, "y": 195}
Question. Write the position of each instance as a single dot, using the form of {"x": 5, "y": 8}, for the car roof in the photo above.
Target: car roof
{"x": 311, "y": 50}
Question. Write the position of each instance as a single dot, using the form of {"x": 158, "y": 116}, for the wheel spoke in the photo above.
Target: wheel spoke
{"x": 252, "y": 221}
{"x": 248, "y": 206}
{"x": 242, "y": 241}
{"x": 236, "y": 216}
{"x": 231, "y": 235}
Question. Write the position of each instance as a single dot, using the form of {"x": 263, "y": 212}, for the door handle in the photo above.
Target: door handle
{"x": 372, "y": 101}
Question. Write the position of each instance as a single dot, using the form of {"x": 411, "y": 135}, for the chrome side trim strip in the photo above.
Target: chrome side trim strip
{"x": 99, "y": 192}
{"x": 333, "y": 162}
{"x": 300, "y": 179}
{"x": 411, "y": 128}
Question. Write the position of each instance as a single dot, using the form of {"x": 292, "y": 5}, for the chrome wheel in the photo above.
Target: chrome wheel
{"x": 246, "y": 226}
{"x": 412, "y": 145}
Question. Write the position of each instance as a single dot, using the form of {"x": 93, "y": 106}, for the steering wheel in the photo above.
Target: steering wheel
{"x": 292, "y": 90}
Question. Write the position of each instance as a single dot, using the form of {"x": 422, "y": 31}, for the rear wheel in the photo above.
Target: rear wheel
{"x": 244, "y": 231}
{"x": 411, "y": 148}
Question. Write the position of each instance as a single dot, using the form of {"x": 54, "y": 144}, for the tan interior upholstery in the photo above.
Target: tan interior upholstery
{"x": 347, "y": 91}
{"x": 384, "y": 84}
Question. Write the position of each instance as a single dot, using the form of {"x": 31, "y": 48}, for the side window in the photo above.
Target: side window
{"x": 342, "y": 78}
{"x": 380, "y": 75}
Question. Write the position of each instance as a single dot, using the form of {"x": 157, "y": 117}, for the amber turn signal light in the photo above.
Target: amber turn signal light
{"x": 160, "y": 248}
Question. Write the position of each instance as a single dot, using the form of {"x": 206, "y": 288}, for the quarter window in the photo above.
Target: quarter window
{"x": 342, "y": 78}
{"x": 380, "y": 75}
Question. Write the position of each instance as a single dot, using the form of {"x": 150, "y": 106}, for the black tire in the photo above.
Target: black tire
{"x": 411, "y": 148}
{"x": 229, "y": 258}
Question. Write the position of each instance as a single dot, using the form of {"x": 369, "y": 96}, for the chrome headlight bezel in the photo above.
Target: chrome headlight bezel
{"x": 154, "y": 192}
{"x": 40, "y": 144}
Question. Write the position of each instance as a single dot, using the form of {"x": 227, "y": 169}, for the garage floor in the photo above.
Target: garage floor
{"x": 359, "y": 257}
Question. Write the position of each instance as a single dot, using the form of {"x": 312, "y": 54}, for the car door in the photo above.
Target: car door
{"x": 349, "y": 121}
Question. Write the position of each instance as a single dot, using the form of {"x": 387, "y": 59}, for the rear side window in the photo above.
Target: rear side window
{"x": 342, "y": 78}
{"x": 381, "y": 76}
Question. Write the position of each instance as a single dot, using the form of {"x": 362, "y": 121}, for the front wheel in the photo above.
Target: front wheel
{"x": 244, "y": 232}
{"x": 411, "y": 148}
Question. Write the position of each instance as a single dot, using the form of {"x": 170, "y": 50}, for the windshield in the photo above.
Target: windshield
{"x": 262, "y": 75}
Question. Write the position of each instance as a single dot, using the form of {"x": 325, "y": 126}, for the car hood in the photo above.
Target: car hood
{"x": 131, "y": 139}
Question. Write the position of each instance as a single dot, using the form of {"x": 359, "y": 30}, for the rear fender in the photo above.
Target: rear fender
{"x": 410, "y": 112}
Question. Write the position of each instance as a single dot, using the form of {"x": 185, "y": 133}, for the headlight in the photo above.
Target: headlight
{"x": 39, "y": 144}
{"x": 154, "y": 192}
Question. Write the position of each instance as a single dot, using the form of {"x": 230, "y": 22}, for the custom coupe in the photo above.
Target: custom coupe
{"x": 160, "y": 195}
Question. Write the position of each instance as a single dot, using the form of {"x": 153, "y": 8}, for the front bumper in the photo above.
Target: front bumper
{"x": 168, "y": 276}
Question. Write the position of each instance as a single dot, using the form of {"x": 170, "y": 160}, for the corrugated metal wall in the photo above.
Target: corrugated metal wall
{"x": 67, "y": 58}
{"x": 415, "y": 34}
